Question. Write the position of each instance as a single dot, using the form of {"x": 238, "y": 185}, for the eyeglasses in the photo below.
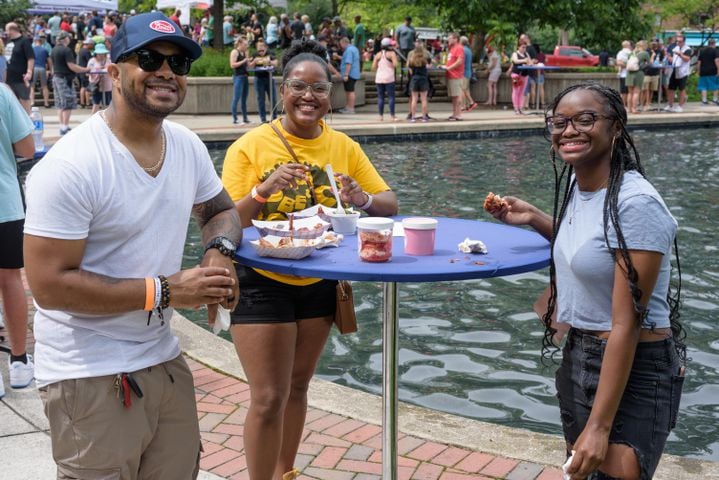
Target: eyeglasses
{"x": 298, "y": 88}
{"x": 582, "y": 122}
{"x": 151, "y": 61}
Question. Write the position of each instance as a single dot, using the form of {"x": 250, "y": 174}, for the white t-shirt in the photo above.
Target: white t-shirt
{"x": 682, "y": 67}
{"x": 585, "y": 266}
{"x": 89, "y": 186}
{"x": 623, "y": 56}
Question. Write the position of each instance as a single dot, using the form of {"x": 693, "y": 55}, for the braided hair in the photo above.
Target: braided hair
{"x": 624, "y": 157}
{"x": 304, "y": 51}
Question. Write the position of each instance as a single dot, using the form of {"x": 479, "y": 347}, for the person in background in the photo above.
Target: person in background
{"x": 42, "y": 68}
{"x": 53, "y": 24}
{"x": 307, "y": 31}
{"x": 385, "y": 64}
{"x": 322, "y": 40}
{"x": 272, "y": 33}
{"x": 83, "y": 58}
{"x": 495, "y": 71}
{"x": 175, "y": 17}
{"x": 100, "y": 81}
{"x": 227, "y": 31}
{"x": 454, "y": 68}
{"x": 621, "y": 64}
{"x": 109, "y": 28}
{"x": 264, "y": 83}
{"x": 108, "y": 209}
{"x": 298, "y": 27}
{"x": 286, "y": 33}
{"x": 417, "y": 62}
{"x": 239, "y": 60}
{"x": 708, "y": 68}
{"x": 620, "y": 380}
{"x": 253, "y": 30}
{"x": 679, "y": 56}
{"x": 603, "y": 58}
{"x": 530, "y": 90}
{"x": 404, "y": 36}
{"x": 282, "y": 322}
{"x": 350, "y": 70}
{"x": 635, "y": 78}
{"x": 519, "y": 77}
{"x": 360, "y": 34}
{"x": 340, "y": 30}
{"x": 15, "y": 139}
{"x": 3, "y": 62}
{"x": 541, "y": 57}
{"x": 210, "y": 31}
{"x": 64, "y": 68}
{"x": 468, "y": 104}
{"x": 21, "y": 63}
{"x": 651, "y": 74}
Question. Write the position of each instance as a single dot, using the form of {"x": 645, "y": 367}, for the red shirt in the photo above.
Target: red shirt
{"x": 456, "y": 52}
{"x": 65, "y": 27}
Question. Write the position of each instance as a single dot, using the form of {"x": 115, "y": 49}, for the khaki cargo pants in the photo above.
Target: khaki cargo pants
{"x": 94, "y": 437}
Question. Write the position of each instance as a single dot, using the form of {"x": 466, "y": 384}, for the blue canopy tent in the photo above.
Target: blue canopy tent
{"x": 72, "y": 6}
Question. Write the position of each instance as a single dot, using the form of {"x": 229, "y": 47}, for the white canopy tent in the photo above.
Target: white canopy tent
{"x": 185, "y": 5}
{"x": 74, "y": 6}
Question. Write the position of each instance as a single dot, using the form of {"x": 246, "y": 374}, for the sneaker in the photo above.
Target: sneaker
{"x": 346, "y": 111}
{"x": 21, "y": 374}
{"x": 409, "y": 116}
{"x": 425, "y": 118}
{"x": 705, "y": 103}
{"x": 234, "y": 121}
{"x": 246, "y": 122}
{"x": 412, "y": 119}
{"x": 668, "y": 108}
{"x": 677, "y": 109}
{"x": 715, "y": 102}
{"x": 2, "y": 387}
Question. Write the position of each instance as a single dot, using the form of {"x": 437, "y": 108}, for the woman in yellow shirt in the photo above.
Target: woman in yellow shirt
{"x": 282, "y": 322}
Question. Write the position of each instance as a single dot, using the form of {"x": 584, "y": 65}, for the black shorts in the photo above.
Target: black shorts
{"x": 20, "y": 90}
{"x": 677, "y": 83}
{"x": 350, "y": 84}
{"x": 263, "y": 300}
{"x": 11, "y": 244}
{"x": 623, "y": 85}
{"x": 101, "y": 98}
{"x": 419, "y": 84}
{"x": 84, "y": 80}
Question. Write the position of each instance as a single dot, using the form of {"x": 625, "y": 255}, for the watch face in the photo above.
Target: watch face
{"x": 227, "y": 244}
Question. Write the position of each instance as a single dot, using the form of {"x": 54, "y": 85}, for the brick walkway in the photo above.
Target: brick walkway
{"x": 335, "y": 447}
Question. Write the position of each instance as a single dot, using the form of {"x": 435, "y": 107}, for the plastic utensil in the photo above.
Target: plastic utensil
{"x": 333, "y": 184}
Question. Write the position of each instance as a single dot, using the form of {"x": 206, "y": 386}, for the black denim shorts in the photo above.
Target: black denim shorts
{"x": 264, "y": 300}
{"x": 648, "y": 408}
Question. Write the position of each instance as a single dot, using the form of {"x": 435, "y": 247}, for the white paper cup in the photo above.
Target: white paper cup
{"x": 344, "y": 223}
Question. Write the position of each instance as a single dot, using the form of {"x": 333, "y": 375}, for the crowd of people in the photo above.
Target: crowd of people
{"x": 107, "y": 211}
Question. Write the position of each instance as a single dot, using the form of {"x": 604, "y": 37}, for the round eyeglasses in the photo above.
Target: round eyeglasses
{"x": 582, "y": 122}
{"x": 298, "y": 88}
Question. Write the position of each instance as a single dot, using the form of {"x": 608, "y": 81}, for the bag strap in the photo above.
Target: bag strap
{"x": 284, "y": 142}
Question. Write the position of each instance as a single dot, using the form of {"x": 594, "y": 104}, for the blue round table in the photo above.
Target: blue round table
{"x": 511, "y": 250}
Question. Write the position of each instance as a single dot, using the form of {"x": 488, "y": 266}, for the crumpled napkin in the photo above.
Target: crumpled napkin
{"x": 222, "y": 322}
{"x": 565, "y": 467}
{"x": 472, "y": 246}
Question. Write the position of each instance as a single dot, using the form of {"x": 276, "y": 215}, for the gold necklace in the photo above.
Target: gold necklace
{"x": 162, "y": 152}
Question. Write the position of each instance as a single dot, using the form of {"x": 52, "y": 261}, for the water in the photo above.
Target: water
{"x": 472, "y": 348}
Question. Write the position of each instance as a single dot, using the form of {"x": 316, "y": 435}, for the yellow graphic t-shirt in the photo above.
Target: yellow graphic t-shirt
{"x": 252, "y": 158}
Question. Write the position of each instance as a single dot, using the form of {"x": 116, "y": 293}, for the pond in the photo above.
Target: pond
{"x": 472, "y": 348}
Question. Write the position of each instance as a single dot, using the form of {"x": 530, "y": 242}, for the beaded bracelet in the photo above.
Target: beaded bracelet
{"x": 165, "y": 287}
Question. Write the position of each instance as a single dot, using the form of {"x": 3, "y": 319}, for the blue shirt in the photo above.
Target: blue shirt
{"x": 41, "y": 55}
{"x": 15, "y": 125}
{"x": 351, "y": 55}
{"x": 227, "y": 33}
{"x": 467, "y": 62}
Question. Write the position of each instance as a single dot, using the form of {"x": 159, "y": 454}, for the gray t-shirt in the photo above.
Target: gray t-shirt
{"x": 585, "y": 266}
{"x": 405, "y": 36}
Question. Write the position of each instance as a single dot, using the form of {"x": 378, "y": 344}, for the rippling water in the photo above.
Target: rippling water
{"x": 471, "y": 348}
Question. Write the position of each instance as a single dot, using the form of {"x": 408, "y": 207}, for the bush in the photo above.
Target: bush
{"x": 212, "y": 64}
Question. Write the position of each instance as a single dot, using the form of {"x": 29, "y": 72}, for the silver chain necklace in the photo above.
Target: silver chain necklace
{"x": 162, "y": 152}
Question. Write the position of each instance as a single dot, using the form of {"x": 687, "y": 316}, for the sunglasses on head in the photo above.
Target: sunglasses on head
{"x": 151, "y": 61}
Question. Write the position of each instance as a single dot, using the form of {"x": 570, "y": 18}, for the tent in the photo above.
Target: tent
{"x": 185, "y": 5}
{"x": 73, "y": 6}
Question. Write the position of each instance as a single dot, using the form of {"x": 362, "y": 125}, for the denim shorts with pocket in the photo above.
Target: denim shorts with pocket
{"x": 648, "y": 408}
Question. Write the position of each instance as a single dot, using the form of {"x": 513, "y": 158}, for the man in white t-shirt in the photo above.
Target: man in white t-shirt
{"x": 679, "y": 57}
{"x": 622, "y": 59}
{"x": 108, "y": 209}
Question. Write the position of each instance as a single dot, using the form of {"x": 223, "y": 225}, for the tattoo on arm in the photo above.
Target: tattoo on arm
{"x": 218, "y": 217}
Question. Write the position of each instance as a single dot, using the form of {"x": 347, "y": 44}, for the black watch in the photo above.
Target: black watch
{"x": 224, "y": 245}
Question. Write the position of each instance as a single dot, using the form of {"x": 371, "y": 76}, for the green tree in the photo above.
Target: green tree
{"x": 11, "y": 10}
{"x": 140, "y": 6}
{"x": 699, "y": 14}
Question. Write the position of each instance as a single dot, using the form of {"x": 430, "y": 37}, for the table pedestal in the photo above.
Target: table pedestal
{"x": 390, "y": 360}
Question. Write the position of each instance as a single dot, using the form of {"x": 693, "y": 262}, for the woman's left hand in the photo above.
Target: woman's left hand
{"x": 590, "y": 450}
{"x": 351, "y": 192}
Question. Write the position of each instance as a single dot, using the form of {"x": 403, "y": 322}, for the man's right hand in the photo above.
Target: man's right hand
{"x": 200, "y": 286}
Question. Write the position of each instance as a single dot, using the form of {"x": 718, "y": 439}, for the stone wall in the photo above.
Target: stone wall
{"x": 212, "y": 95}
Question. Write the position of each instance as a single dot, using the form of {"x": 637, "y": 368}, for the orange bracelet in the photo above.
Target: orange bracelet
{"x": 149, "y": 294}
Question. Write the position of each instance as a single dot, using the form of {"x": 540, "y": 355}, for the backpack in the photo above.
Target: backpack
{"x": 633, "y": 63}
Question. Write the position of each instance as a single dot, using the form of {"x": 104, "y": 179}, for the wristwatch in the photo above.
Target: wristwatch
{"x": 224, "y": 245}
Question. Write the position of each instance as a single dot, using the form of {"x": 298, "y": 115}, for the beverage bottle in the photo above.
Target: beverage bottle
{"x": 38, "y": 130}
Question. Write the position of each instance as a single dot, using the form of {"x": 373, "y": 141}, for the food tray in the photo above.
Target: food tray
{"x": 299, "y": 249}
{"x": 311, "y": 227}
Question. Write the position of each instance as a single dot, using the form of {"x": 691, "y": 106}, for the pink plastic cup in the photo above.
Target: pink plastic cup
{"x": 419, "y": 235}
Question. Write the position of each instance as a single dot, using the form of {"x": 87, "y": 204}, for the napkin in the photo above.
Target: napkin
{"x": 222, "y": 322}
{"x": 565, "y": 467}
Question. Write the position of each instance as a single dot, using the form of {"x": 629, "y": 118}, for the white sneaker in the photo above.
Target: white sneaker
{"x": 21, "y": 374}
{"x": 668, "y": 108}
{"x": 2, "y": 388}
{"x": 677, "y": 109}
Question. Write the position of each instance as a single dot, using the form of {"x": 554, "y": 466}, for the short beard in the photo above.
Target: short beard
{"x": 139, "y": 105}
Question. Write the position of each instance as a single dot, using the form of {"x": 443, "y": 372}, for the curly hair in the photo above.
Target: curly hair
{"x": 304, "y": 51}
{"x": 624, "y": 157}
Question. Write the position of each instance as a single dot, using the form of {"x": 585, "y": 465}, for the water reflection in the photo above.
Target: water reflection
{"x": 472, "y": 348}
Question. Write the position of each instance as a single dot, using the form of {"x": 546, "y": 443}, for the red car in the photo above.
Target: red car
{"x": 571, "y": 56}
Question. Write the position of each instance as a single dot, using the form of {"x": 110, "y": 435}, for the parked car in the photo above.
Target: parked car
{"x": 571, "y": 56}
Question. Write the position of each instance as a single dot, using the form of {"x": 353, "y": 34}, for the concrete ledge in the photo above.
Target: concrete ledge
{"x": 519, "y": 444}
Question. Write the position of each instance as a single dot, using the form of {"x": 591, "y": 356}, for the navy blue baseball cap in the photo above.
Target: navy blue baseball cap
{"x": 140, "y": 30}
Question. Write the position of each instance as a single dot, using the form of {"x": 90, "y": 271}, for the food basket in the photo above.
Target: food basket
{"x": 311, "y": 227}
{"x": 279, "y": 247}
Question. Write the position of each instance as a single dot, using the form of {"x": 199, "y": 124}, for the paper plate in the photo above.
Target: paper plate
{"x": 315, "y": 211}
{"x": 311, "y": 227}
{"x": 301, "y": 248}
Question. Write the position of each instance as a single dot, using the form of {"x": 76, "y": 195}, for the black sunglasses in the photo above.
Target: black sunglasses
{"x": 151, "y": 61}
